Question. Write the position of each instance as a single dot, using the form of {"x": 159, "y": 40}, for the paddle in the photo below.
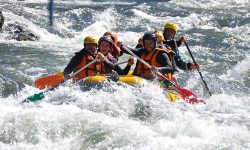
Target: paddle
{"x": 49, "y": 81}
{"x": 51, "y": 12}
{"x": 187, "y": 95}
{"x": 55, "y": 79}
{"x": 198, "y": 69}
{"x": 118, "y": 63}
{"x": 40, "y": 95}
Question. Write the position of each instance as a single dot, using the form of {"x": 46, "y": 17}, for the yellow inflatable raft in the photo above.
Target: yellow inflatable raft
{"x": 171, "y": 94}
{"x": 132, "y": 80}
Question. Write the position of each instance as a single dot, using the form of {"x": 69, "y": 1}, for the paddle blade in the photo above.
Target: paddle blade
{"x": 33, "y": 98}
{"x": 189, "y": 96}
{"x": 49, "y": 81}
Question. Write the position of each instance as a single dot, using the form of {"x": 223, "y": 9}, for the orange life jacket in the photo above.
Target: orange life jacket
{"x": 89, "y": 71}
{"x": 100, "y": 68}
{"x": 150, "y": 58}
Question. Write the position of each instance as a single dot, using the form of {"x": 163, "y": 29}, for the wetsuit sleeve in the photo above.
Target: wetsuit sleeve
{"x": 121, "y": 71}
{"x": 178, "y": 43}
{"x": 163, "y": 59}
{"x": 180, "y": 62}
{"x": 76, "y": 60}
{"x": 139, "y": 46}
{"x": 109, "y": 65}
{"x": 174, "y": 66}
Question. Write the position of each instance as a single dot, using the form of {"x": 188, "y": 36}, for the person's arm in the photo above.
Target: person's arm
{"x": 179, "y": 42}
{"x": 175, "y": 70}
{"x": 121, "y": 71}
{"x": 76, "y": 60}
{"x": 109, "y": 64}
{"x": 163, "y": 59}
{"x": 182, "y": 40}
{"x": 116, "y": 51}
{"x": 126, "y": 70}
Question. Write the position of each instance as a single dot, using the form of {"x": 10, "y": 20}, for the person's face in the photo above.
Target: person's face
{"x": 149, "y": 45}
{"x": 91, "y": 48}
{"x": 169, "y": 34}
{"x": 104, "y": 47}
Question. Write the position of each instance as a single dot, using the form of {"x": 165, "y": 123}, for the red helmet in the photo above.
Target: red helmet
{"x": 113, "y": 36}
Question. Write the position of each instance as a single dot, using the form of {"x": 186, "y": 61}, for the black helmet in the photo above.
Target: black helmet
{"x": 149, "y": 36}
{"x": 107, "y": 39}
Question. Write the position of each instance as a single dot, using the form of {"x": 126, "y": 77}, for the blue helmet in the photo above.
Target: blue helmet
{"x": 149, "y": 36}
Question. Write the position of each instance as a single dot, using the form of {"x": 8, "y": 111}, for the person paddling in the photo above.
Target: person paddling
{"x": 156, "y": 57}
{"x": 169, "y": 32}
{"x": 88, "y": 54}
{"x": 105, "y": 48}
{"x": 82, "y": 58}
{"x": 115, "y": 51}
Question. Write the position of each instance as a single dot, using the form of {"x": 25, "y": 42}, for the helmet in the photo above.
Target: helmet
{"x": 113, "y": 36}
{"x": 107, "y": 39}
{"x": 159, "y": 36}
{"x": 171, "y": 25}
{"x": 90, "y": 40}
{"x": 149, "y": 36}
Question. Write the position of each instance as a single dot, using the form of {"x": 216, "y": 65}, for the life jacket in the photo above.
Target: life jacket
{"x": 89, "y": 71}
{"x": 170, "y": 52}
{"x": 104, "y": 69}
{"x": 101, "y": 67}
{"x": 141, "y": 69}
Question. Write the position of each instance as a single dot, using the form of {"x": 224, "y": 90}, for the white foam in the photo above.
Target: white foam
{"x": 208, "y": 4}
{"x": 241, "y": 70}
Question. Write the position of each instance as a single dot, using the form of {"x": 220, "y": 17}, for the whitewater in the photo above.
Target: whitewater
{"x": 123, "y": 116}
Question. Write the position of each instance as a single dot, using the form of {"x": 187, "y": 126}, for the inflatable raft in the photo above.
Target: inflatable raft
{"x": 171, "y": 94}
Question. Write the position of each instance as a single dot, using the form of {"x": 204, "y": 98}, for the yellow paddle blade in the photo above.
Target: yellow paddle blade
{"x": 172, "y": 95}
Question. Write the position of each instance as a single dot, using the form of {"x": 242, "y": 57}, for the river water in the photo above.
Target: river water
{"x": 123, "y": 116}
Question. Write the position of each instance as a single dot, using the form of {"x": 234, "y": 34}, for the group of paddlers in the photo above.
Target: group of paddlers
{"x": 158, "y": 49}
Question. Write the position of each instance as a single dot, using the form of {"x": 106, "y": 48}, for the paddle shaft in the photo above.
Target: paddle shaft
{"x": 118, "y": 63}
{"x": 51, "y": 12}
{"x": 204, "y": 82}
{"x": 86, "y": 66}
{"x": 146, "y": 64}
